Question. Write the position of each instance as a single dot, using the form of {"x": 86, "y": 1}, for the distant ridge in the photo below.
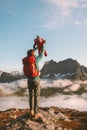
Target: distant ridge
{"x": 9, "y": 77}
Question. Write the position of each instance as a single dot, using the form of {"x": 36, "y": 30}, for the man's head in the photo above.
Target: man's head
{"x": 31, "y": 52}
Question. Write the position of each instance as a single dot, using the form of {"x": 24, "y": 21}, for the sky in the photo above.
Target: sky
{"x": 62, "y": 23}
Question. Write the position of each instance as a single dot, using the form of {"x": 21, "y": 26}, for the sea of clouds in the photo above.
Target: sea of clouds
{"x": 8, "y": 99}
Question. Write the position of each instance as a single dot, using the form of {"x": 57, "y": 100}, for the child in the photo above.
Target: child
{"x": 39, "y": 43}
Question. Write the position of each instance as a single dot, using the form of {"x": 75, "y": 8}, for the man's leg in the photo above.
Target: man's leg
{"x": 31, "y": 96}
{"x": 36, "y": 96}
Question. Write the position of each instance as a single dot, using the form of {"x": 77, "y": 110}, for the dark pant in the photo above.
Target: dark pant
{"x": 34, "y": 94}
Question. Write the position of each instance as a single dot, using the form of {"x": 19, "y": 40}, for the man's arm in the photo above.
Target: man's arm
{"x": 39, "y": 57}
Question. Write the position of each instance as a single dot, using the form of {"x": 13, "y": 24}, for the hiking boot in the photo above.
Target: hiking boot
{"x": 31, "y": 113}
{"x": 37, "y": 116}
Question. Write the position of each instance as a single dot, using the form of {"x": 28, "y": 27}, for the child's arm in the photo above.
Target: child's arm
{"x": 34, "y": 46}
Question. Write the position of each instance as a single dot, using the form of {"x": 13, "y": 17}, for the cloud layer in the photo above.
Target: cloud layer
{"x": 7, "y": 94}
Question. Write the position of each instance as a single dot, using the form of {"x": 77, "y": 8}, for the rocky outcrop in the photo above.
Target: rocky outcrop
{"x": 53, "y": 118}
{"x": 69, "y": 67}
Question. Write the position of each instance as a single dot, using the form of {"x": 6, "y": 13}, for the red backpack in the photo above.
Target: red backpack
{"x": 29, "y": 67}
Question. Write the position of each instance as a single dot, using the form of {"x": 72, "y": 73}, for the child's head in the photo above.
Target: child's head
{"x": 38, "y": 36}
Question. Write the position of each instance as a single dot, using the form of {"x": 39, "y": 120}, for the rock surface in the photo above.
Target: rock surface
{"x": 53, "y": 118}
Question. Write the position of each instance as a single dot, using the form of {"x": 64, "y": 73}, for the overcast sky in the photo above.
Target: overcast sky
{"x": 63, "y": 23}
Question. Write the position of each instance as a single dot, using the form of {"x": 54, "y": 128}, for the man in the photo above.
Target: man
{"x": 34, "y": 81}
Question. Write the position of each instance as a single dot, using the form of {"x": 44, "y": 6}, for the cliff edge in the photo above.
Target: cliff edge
{"x": 53, "y": 118}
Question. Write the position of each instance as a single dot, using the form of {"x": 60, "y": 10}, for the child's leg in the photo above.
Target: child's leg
{"x": 45, "y": 53}
{"x": 39, "y": 50}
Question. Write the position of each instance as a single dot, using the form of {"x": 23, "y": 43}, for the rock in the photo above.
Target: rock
{"x": 53, "y": 118}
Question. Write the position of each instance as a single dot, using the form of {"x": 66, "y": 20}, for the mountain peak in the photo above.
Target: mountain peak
{"x": 67, "y": 66}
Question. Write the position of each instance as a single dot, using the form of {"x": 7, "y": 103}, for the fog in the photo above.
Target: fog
{"x": 8, "y": 99}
